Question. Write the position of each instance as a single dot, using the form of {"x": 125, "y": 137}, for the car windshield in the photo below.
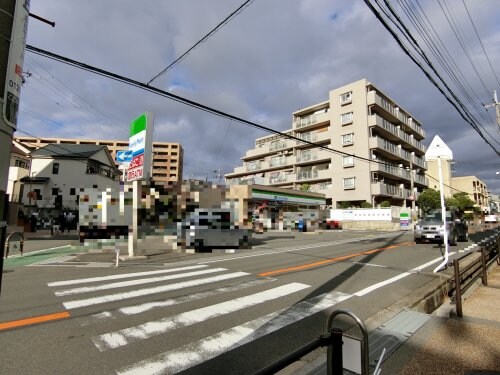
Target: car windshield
{"x": 436, "y": 216}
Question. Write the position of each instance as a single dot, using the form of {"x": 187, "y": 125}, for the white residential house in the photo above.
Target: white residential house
{"x": 18, "y": 168}
{"x": 58, "y": 171}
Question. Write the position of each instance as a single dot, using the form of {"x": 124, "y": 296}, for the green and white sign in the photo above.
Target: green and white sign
{"x": 141, "y": 146}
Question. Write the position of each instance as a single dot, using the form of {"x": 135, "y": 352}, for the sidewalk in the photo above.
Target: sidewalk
{"x": 455, "y": 345}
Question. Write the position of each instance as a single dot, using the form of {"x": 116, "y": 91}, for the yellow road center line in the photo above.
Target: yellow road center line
{"x": 328, "y": 261}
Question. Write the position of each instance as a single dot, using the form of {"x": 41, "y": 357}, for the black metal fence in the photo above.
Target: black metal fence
{"x": 470, "y": 267}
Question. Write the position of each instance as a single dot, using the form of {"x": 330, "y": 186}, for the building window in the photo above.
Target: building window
{"x": 38, "y": 194}
{"x": 346, "y": 118}
{"x": 349, "y": 183}
{"x": 72, "y": 191}
{"x": 348, "y": 161}
{"x": 21, "y": 164}
{"x": 346, "y": 98}
{"x": 348, "y": 139}
{"x": 55, "y": 191}
{"x": 55, "y": 168}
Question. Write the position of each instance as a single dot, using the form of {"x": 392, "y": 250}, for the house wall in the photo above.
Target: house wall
{"x": 71, "y": 174}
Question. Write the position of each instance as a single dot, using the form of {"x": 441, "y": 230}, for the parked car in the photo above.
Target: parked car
{"x": 211, "y": 229}
{"x": 431, "y": 228}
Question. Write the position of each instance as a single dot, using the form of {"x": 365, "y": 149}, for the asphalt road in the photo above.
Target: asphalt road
{"x": 214, "y": 313}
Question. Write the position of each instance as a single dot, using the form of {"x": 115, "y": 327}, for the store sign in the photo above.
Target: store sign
{"x": 140, "y": 148}
{"x": 14, "y": 76}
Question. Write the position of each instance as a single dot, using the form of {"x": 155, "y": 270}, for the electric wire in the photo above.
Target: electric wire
{"x": 224, "y": 22}
{"x": 194, "y": 104}
{"x": 480, "y": 41}
{"x": 458, "y": 103}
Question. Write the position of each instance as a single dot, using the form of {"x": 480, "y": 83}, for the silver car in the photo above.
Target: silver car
{"x": 213, "y": 229}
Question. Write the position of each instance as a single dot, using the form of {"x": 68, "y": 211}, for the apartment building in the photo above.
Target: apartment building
{"x": 365, "y": 149}
{"x": 167, "y": 157}
{"x": 475, "y": 188}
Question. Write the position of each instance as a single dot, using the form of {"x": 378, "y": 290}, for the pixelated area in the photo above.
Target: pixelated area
{"x": 169, "y": 216}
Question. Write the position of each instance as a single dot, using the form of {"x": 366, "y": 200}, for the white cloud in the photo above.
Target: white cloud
{"x": 272, "y": 59}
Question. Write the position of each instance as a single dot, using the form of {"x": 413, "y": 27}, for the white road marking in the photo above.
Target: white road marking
{"x": 147, "y": 291}
{"x": 138, "y": 309}
{"x": 123, "y": 284}
{"x": 144, "y": 331}
{"x": 122, "y": 276}
{"x": 397, "y": 277}
{"x": 322, "y": 244}
{"x": 192, "y": 354}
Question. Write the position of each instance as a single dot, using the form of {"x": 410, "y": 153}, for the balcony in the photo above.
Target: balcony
{"x": 311, "y": 121}
{"x": 419, "y": 179}
{"x": 389, "y": 129}
{"x": 314, "y": 175}
{"x": 314, "y": 156}
{"x": 387, "y": 190}
{"x": 388, "y": 110}
{"x": 316, "y": 137}
{"x": 390, "y": 148}
{"x": 420, "y": 162}
{"x": 281, "y": 178}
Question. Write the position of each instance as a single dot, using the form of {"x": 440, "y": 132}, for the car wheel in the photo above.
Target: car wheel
{"x": 453, "y": 240}
{"x": 418, "y": 241}
{"x": 198, "y": 245}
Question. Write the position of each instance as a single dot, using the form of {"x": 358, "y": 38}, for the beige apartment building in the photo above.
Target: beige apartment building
{"x": 365, "y": 149}
{"x": 475, "y": 188}
{"x": 167, "y": 157}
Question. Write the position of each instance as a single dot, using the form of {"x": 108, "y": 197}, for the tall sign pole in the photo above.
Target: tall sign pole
{"x": 141, "y": 147}
{"x": 14, "y": 16}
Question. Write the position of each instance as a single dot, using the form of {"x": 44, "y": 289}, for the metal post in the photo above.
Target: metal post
{"x": 483, "y": 267}
{"x": 335, "y": 365}
{"x": 458, "y": 292}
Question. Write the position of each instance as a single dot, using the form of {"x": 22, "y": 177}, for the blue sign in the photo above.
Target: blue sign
{"x": 124, "y": 156}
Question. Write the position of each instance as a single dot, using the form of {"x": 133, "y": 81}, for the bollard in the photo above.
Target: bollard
{"x": 335, "y": 365}
{"x": 458, "y": 292}
{"x": 484, "y": 277}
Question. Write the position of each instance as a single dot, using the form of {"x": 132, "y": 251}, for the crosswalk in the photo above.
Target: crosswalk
{"x": 165, "y": 302}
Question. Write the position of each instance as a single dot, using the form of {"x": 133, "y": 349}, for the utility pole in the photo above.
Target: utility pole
{"x": 495, "y": 104}
{"x": 14, "y": 16}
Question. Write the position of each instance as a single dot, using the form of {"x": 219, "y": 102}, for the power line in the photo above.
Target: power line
{"x": 482, "y": 46}
{"x": 456, "y": 104}
{"x": 224, "y": 22}
{"x": 191, "y": 103}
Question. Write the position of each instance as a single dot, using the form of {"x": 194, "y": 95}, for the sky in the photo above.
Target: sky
{"x": 273, "y": 58}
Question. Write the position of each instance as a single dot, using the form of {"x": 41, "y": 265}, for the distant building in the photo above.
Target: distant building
{"x": 357, "y": 120}
{"x": 18, "y": 168}
{"x": 474, "y": 187}
{"x": 167, "y": 160}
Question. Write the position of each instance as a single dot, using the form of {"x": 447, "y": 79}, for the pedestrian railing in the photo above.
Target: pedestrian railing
{"x": 466, "y": 271}
{"x": 343, "y": 351}
{"x": 12, "y": 244}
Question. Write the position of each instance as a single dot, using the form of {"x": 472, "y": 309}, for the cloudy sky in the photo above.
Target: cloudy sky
{"x": 273, "y": 58}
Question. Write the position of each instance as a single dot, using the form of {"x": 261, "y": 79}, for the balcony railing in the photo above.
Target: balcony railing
{"x": 307, "y": 175}
{"x": 302, "y": 122}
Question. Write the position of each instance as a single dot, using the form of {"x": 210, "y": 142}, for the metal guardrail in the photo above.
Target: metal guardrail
{"x": 334, "y": 340}
{"x": 465, "y": 276}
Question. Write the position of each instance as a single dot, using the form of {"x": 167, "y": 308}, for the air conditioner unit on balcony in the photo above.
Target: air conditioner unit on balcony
{"x": 280, "y": 152}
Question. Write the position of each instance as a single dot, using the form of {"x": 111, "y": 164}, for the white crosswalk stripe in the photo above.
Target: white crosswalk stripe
{"x": 123, "y": 284}
{"x": 177, "y": 360}
{"x": 123, "y": 276}
{"x": 251, "y": 293}
{"x": 128, "y": 335}
{"x": 144, "y": 307}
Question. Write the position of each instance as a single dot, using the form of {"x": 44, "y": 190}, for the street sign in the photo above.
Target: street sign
{"x": 124, "y": 156}
{"x": 140, "y": 147}
{"x": 14, "y": 76}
